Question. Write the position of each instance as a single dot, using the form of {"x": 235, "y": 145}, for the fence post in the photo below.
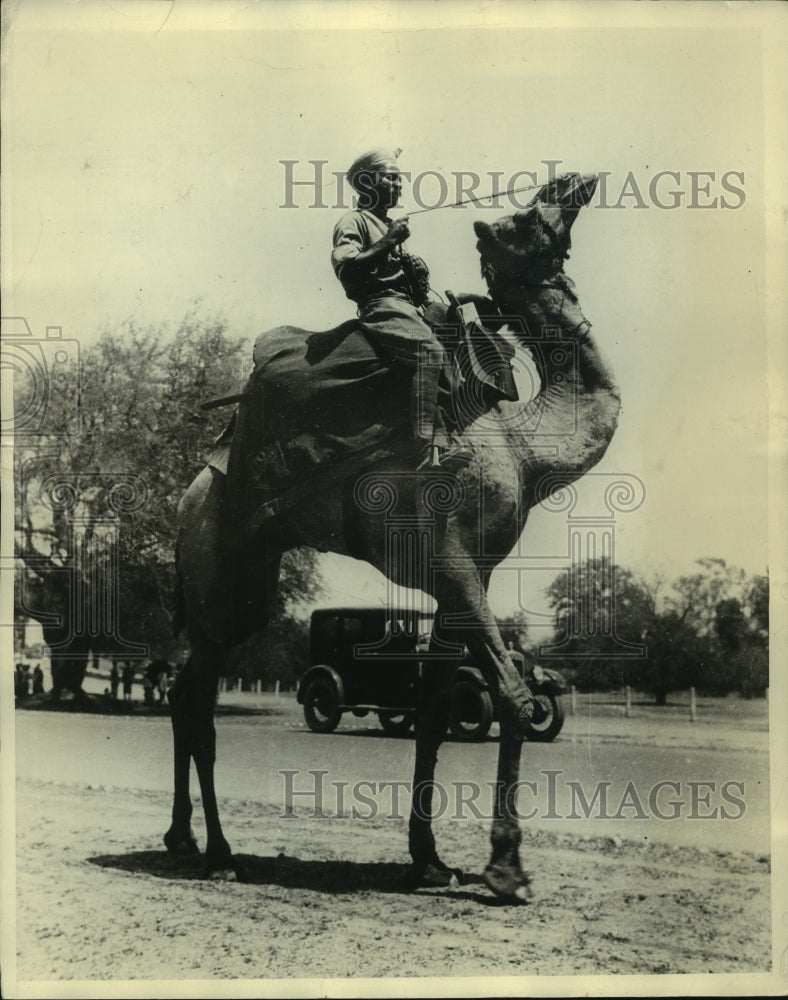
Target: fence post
{"x": 238, "y": 685}
{"x": 628, "y": 708}
{"x": 276, "y": 690}
{"x": 693, "y": 705}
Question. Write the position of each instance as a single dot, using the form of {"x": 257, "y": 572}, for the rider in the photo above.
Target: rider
{"x": 391, "y": 289}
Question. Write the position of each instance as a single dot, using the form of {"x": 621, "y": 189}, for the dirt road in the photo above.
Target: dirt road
{"x": 98, "y": 898}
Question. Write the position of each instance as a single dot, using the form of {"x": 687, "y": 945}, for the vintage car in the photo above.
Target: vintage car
{"x": 370, "y": 659}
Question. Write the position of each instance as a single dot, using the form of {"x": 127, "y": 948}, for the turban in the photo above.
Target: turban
{"x": 370, "y": 163}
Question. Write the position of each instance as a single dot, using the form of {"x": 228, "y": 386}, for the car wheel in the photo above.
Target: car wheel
{"x": 548, "y": 718}
{"x": 321, "y": 705}
{"x": 471, "y": 712}
{"x": 396, "y": 723}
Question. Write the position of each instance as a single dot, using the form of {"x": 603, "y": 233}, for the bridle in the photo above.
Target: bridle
{"x": 529, "y": 276}
{"x": 544, "y": 268}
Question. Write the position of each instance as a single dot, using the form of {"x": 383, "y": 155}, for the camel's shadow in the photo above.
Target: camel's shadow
{"x": 332, "y": 877}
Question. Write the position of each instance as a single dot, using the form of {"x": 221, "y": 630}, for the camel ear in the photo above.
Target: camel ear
{"x": 578, "y": 190}
{"x": 483, "y": 231}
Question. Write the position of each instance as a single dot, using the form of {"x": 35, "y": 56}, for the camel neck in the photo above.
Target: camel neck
{"x": 569, "y": 421}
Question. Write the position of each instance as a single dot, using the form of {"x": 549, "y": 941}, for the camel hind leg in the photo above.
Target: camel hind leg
{"x": 192, "y": 699}
{"x": 194, "y": 737}
{"x": 180, "y": 839}
{"x": 254, "y": 575}
{"x": 432, "y": 722}
{"x": 223, "y": 599}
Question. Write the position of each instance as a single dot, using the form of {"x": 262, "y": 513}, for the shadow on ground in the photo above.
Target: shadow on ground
{"x": 332, "y": 877}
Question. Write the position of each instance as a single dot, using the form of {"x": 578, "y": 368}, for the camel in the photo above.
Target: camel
{"x": 523, "y": 452}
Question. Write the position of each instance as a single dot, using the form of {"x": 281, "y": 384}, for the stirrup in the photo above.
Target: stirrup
{"x": 454, "y": 458}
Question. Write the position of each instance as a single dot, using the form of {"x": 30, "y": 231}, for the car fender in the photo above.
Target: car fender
{"x": 321, "y": 670}
{"x": 553, "y": 682}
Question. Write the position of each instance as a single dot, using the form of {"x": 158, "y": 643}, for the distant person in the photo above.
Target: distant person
{"x": 38, "y": 679}
{"x": 164, "y": 682}
{"x": 114, "y": 679}
{"x": 147, "y": 689}
{"x": 158, "y": 673}
{"x": 128, "y": 680}
{"x": 27, "y": 680}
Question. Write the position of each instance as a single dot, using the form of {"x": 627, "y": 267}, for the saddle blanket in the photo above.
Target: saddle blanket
{"x": 312, "y": 401}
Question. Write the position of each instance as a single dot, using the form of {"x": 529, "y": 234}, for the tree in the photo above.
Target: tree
{"x": 96, "y": 509}
{"x": 742, "y": 629}
{"x": 730, "y": 624}
{"x": 757, "y": 603}
{"x": 675, "y": 656}
{"x": 709, "y": 629}
{"x": 514, "y": 629}
{"x": 730, "y": 613}
{"x": 695, "y": 597}
{"x": 601, "y": 613}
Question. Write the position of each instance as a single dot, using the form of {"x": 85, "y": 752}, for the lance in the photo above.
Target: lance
{"x": 471, "y": 201}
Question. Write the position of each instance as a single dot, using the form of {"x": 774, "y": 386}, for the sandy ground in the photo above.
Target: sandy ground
{"x": 99, "y": 898}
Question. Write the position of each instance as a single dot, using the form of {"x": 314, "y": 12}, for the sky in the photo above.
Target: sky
{"x": 143, "y": 150}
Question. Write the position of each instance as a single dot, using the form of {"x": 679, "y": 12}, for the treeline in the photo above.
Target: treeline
{"x": 96, "y": 497}
{"x": 708, "y": 630}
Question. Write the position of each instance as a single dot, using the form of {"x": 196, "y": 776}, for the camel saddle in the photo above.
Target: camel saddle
{"x": 321, "y": 406}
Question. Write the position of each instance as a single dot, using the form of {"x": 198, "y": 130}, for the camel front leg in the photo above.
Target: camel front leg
{"x": 504, "y": 873}
{"x": 461, "y": 595}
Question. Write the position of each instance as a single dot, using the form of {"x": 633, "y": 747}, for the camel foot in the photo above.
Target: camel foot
{"x": 222, "y": 875}
{"x": 223, "y": 867}
{"x": 508, "y": 884}
{"x": 434, "y": 874}
{"x": 179, "y": 844}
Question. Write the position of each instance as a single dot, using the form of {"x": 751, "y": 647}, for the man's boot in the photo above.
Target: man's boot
{"x": 426, "y": 415}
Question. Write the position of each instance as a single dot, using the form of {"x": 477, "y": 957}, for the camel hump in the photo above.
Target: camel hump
{"x": 317, "y": 404}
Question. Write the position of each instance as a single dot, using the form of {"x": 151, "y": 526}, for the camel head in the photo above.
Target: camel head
{"x": 539, "y": 235}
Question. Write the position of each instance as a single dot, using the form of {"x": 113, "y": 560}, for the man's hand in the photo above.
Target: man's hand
{"x": 399, "y": 232}
{"x": 377, "y": 253}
